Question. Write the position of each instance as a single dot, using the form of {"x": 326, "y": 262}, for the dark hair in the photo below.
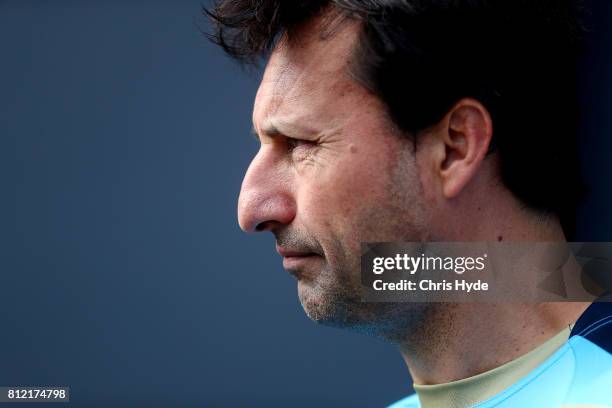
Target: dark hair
{"x": 517, "y": 57}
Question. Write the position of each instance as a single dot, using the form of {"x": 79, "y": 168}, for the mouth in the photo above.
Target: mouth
{"x": 295, "y": 261}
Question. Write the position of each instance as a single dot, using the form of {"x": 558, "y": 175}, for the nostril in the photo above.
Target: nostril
{"x": 259, "y": 212}
{"x": 261, "y": 226}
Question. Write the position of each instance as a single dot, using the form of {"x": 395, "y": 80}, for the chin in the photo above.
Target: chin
{"x": 337, "y": 307}
{"x": 322, "y": 306}
{"x": 392, "y": 322}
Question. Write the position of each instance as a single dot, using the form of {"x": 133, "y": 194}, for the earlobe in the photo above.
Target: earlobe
{"x": 467, "y": 137}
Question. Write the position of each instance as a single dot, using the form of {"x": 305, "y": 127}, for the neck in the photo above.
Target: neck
{"x": 468, "y": 339}
{"x": 460, "y": 340}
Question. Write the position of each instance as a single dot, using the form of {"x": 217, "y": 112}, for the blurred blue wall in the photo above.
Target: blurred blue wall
{"x": 124, "y": 136}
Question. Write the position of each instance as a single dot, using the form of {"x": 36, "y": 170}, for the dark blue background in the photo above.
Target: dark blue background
{"x": 124, "y": 136}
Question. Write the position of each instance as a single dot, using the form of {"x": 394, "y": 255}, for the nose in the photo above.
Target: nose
{"x": 266, "y": 201}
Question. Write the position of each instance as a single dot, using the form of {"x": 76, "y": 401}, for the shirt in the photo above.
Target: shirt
{"x": 571, "y": 370}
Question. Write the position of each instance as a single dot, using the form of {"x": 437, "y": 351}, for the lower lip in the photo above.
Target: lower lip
{"x": 293, "y": 262}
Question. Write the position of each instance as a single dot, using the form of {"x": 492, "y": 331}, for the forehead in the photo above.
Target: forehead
{"x": 307, "y": 70}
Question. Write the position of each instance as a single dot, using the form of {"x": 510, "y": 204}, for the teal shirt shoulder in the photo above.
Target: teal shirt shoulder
{"x": 578, "y": 374}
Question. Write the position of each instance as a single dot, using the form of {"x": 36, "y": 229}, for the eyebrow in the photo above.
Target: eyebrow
{"x": 278, "y": 127}
{"x": 270, "y": 130}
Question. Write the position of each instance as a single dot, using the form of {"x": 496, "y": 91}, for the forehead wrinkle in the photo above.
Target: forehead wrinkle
{"x": 281, "y": 79}
{"x": 309, "y": 46}
{"x": 307, "y": 65}
{"x": 293, "y": 81}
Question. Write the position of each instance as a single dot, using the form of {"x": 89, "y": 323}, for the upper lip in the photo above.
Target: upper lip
{"x": 287, "y": 253}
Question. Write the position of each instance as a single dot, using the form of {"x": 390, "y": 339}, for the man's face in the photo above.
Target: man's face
{"x": 332, "y": 172}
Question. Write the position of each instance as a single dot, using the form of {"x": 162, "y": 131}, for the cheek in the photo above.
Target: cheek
{"x": 334, "y": 200}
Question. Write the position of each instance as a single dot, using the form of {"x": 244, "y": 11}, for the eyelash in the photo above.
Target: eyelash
{"x": 292, "y": 143}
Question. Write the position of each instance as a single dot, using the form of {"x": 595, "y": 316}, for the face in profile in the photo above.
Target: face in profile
{"x": 332, "y": 171}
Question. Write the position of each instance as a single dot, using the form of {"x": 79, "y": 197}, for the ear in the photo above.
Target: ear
{"x": 466, "y": 134}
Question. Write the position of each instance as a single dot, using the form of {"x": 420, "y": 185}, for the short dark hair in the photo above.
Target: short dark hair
{"x": 517, "y": 57}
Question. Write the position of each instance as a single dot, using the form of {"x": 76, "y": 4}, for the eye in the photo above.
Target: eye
{"x": 299, "y": 149}
{"x": 293, "y": 144}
